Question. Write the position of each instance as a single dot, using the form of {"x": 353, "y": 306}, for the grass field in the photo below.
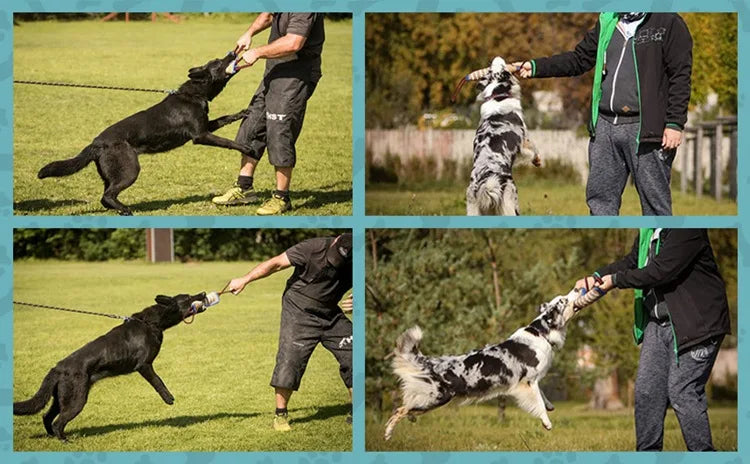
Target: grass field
{"x": 53, "y": 123}
{"x": 218, "y": 368}
{"x": 575, "y": 428}
{"x": 537, "y": 198}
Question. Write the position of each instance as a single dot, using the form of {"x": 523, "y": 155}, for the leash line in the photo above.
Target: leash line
{"x": 79, "y": 311}
{"x": 91, "y": 86}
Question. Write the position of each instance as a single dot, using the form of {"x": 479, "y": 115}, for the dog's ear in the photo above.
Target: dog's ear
{"x": 164, "y": 300}
{"x": 197, "y": 73}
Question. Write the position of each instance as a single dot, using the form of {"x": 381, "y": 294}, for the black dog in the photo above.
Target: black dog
{"x": 130, "y": 347}
{"x": 169, "y": 124}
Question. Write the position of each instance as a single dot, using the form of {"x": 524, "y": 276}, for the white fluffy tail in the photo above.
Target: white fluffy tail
{"x": 494, "y": 198}
{"x": 418, "y": 390}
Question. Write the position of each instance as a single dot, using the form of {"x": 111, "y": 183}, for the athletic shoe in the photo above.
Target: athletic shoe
{"x": 281, "y": 423}
{"x": 276, "y": 205}
{"x": 236, "y": 196}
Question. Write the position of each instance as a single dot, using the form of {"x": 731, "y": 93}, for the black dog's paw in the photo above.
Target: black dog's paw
{"x": 169, "y": 400}
{"x": 126, "y": 212}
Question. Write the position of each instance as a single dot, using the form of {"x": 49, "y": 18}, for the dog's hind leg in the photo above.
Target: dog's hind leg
{"x": 400, "y": 413}
{"x": 119, "y": 168}
{"x": 472, "y": 206}
{"x": 72, "y": 395}
{"x": 50, "y": 415}
{"x": 153, "y": 378}
{"x": 509, "y": 204}
{"x": 529, "y": 398}
{"x": 547, "y": 404}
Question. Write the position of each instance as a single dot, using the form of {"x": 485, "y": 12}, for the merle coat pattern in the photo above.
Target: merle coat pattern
{"x": 129, "y": 347}
{"x": 171, "y": 123}
{"x": 512, "y": 368}
{"x": 500, "y": 138}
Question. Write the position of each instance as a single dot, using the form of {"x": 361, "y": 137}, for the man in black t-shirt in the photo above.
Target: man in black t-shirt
{"x": 277, "y": 109}
{"x": 310, "y": 313}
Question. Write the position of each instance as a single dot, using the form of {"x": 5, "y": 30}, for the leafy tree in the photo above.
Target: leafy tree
{"x": 414, "y": 60}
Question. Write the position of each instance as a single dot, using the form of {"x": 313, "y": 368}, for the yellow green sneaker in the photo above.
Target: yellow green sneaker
{"x": 236, "y": 196}
{"x": 276, "y": 205}
{"x": 281, "y": 423}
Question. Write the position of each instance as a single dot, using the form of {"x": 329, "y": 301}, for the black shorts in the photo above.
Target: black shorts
{"x": 300, "y": 333}
{"x": 276, "y": 113}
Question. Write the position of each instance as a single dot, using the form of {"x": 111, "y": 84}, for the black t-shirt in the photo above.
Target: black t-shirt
{"x": 305, "y": 64}
{"x": 314, "y": 277}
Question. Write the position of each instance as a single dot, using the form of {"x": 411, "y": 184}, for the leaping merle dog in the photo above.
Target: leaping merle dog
{"x": 500, "y": 138}
{"x": 171, "y": 123}
{"x": 512, "y": 368}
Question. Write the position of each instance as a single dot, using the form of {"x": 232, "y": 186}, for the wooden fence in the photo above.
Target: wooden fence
{"x": 710, "y": 145}
{"x": 718, "y": 140}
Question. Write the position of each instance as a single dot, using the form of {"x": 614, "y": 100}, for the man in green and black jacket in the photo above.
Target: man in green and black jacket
{"x": 681, "y": 316}
{"x": 639, "y": 102}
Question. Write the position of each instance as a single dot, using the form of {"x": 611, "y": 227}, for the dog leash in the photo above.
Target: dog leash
{"x": 79, "y": 311}
{"x": 91, "y": 86}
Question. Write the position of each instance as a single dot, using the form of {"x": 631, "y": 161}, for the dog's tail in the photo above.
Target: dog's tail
{"x": 71, "y": 165}
{"x": 417, "y": 387}
{"x": 498, "y": 195}
{"x": 40, "y": 398}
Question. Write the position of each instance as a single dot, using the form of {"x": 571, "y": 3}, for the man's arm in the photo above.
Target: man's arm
{"x": 629, "y": 261}
{"x": 264, "y": 269}
{"x": 300, "y": 25}
{"x": 681, "y": 248}
{"x": 678, "y": 63}
{"x": 572, "y": 63}
{"x": 261, "y": 23}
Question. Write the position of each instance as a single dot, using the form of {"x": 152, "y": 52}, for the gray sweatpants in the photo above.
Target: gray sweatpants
{"x": 662, "y": 381}
{"x": 613, "y": 155}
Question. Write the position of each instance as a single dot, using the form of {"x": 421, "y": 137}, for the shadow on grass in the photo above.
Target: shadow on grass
{"x": 324, "y": 195}
{"x": 311, "y": 199}
{"x": 323, "y": 413}
{"x": 179, "y": 421}
{"x": 159, "y": 205}
{"x": 31, "y": 206}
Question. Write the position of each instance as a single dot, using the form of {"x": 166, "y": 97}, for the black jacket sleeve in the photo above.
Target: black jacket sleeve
{"x": 680, "y": 249}
{"x": 573, "y": 63}
{"x": 629, "y": 261}
{"x": 678, "y": 62}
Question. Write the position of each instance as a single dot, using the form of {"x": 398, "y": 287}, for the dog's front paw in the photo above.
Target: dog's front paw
{"x": 169, "y": 400}
{"x": 247, "y": 151}
{"x": 547, "y": 424}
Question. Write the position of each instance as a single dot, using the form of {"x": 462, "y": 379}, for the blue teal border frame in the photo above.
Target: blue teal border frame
{"x": 358, "y": 221}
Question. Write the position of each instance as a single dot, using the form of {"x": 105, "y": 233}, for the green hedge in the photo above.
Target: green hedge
{"x": 128, "y": 244}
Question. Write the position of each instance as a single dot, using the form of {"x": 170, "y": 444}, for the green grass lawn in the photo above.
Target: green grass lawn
{"x": 52, "y": 123}
{"x": 574, "y": 428}
{"x": 218, "y": 368}
{"x": 537, "y": 197}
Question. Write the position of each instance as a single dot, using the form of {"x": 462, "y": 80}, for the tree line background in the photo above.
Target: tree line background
{"x": 470, "y": 288}
{"x": 41, "y": 16}
{"x": 129, "y": 244}
{"x": 414, "y": 60}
